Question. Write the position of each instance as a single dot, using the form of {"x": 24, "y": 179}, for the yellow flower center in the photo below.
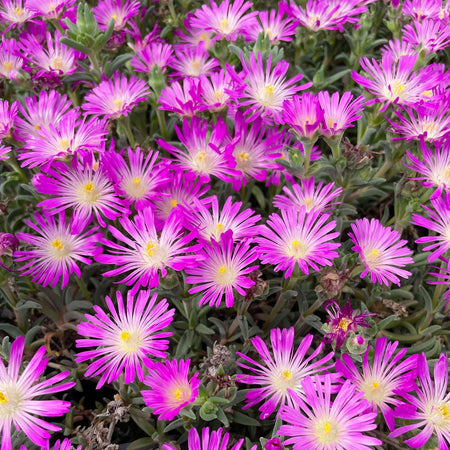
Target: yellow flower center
{"x": 196, "y": 68}
{"x": 59, "y": 248}
{"x": 374, "y": 390}
{"x": 3, "y": 398}
{"x": 244, "y": 156}
{"x": 178, "y": 394}
{"x": 134, "y": 187}
{"x": 219, "y": 229}
{"x": 395, "y": 90}
{"x": 154, "y": 255}
{"x": 88, "y": 194}
{"x": 130, "y": 341}
{"x": 284, "y": 379}
{"x": 226, "y": 276}
{"x": 182, "y": 394}
{"x": 114, "y": 16}
{"x": 218, "y": 95}
{"x": 173, "y": 203}
{"x": 444, "y": 411}
{"x": 18, "y": 11}
{"x": 224, "y": 26}
{"x": 326, "y": 432}
{"x": 344, "y": 323}
{"x": 58, "y": 244}
{"x": 151, "y": 248}
{"x": 372, "y": 256}
{"x": 64, "y": 145}
{"x": 297, "y": 249}
{"x": 118, "y": 103}
{"x": 125, "y": 336}
{"x": 202, "y": 157}
{"x": 8, "y": 66}
{"x": 56, "y": 63}
{"x": 427, "y": 93}
{"x": 268, "y": 33}
{"x": 37, "y": 127}
{"x": 286, "y": 375}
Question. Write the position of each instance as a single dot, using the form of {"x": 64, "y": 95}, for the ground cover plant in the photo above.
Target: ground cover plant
{"x": 224, "y": 225}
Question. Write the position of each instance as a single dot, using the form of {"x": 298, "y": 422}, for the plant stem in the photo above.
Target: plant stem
{"x": 84, "y": 289}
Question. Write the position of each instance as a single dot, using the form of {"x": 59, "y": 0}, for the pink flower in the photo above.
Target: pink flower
{"x": 117, "y": 10}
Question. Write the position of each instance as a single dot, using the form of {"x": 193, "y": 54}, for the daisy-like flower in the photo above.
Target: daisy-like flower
{"x": 422, "y": 9}
{"x": 222, "y": 271}
{"x": 192, "y": 62}
{"x": 211, "y": 222}
{"x": 382, "y": 379}
{"x": 79, "y": 187}
{"x": 15, "y": 12}
{"x": 179, "y": 191}
{"x": 342, "y": 322}
{"x": 316, "y": 422}
{"x": 41, "y": 112}
{"x": 263, "y": 90}
{"x": 297, "y": 238}
{"x": 303, "y": 114}
{"x": 170, "y": 387}
{"x": 339, "y": 113}
{"x": 395, "y": 81}
{"x": 118, "y": 10}
{"x": 430, "y": 408}
{"x": 398, "y": 48}
{"x": 439, "y": 222}
{"x": 18, "y": 392}
{"x": 69, "y": 136}
{"x": 253, "y": 151}
{"x": 307, "y": 194}
{"x": 138, "y": 179}
{"x": 434, "y": 169}
{"x": 54, "y": 252}
{"x": 282, "y": 370}
{"x": 11, "y": 60}
{"x": 226, "y": 20}
{"x": 431, "y": 35}
{"x": 147, "y": 251}
{"x": 49, "y": 9}
{"x": 214, "y": 90}
{"x": 117, "y": 97}
{"x": 182, "y": 99}
{"x": 195, "y": 36}
{"x": 274, "y": 25}
{"x": 213, "y": 440}
{"x": 55, "y": 57}
{"x": 154, "y": 54}
{"x": 125, "y": 340}
{"x": 430, "y": 121}
{"x": 7, "y": 118}
{"x": 381, "y": 251}
{"x": 206, "y": 153}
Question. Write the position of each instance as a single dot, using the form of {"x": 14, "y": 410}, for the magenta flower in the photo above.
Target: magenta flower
{"x": 125, "y": 340}
{"x": 86, "y": 191}
{"x": 315, "y": 422}
{"x": 339, "y": 113}
{"x": 214, "y": 90}
{"x": 297, "y": 237}
{"x": 10, "y": 59}
{"x": 117, "y": 10}
{"x": 226, "y": 20}
{"x": 205, "y": 153}
{"x": 138, "y": 179}
{"x": 222, "y": 271}
{"x": 15, "y": 12}
{"x": 212, "y": 222}
{"x": 154, "y": 54}
{"x": 4, "y": 152}
{"x": 170, "y": 387}
{"x": 213, "y": 440}
{"x": 184, "y": 99}
{"x": 117, "y": 97}
{"x": 431, "y": 35}
{"x": 18, "y": 405}
{"x": 55, "y": 250}
{"x": 438, "y": 221}
{"x": 383, "y": 379}
{"x": 308, "y": 195}
{"x": 429, "y": 408}
{"x": 282, "y": 371}
{"x": 49, "y": 9}
{"x": 193, "y": 62}
{"x": 262, "y": 90}
{"x": 398, "y": 48}
{"x": 7, "y": 118}
{"x": 395, "y": 81}
{"x": 444, "y": 275}
{"x": 303, "y": 114}
{"x": 423, "y": 9}
{"x": 147, "y": 251}
{"x": 381, "y": 251}
{"x": 342, "y": 322}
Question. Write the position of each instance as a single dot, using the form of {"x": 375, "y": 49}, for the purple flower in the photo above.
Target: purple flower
{"x": 55, "y": 250}
{"x": 125, "y": 340}
{"x": 49, "y": 9}
{"x": 297, "y": 237}
{"x": 222, "y": 271}
{"x": 398, "y": 48}
{"x": 192, "y": 62}
{"x": 382, "y": 380}
{"x": 315, "y": 422}
{"x": 430, "y": 34}
{"x": 182, "y": 99}
{"x": 15, "y": 12}
{"x": 282, "y": 371}
{"x": 429, "y": 408}
{"x": 214, "y": 90}
{"x": 381, "y": 251}
{"x": 154, "y": 54}
{"x": 117, "y": 10}
{"x": 170, "y": 387}
{"x": 117, "y": 97}
{"x": 11, "y": 60}
{"x": 146, "y": 251}
{"x": 7, "y": 118}
{"x": 18, "y": 391}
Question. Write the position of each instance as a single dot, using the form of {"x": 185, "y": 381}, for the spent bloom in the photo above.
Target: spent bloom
{"x": 383, "y": 378}
{"x": 117, "y": 97}
{"x": 297, "y": 238}
{"x": 317, "y": 422}
{"x": 308, "y": 195}
{"x": 429, "y": 408}
{"x": 18, "y": 392}
{"x": 281, "y": 370}
{"x": 381, "y": 251}
{"x": 126, "y": 338}
{"x": 222, "y": 271}
{"x": 56, "y": 248}
{"x": 170, "y": 387}
{"x": 118, "y": 10}
{"x": 146, "y": 252}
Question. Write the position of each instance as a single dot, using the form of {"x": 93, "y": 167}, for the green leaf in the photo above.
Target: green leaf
{"x": 141, "y": 444}
{"x": 382, "y": 324}
{"x": 174, "y": 425}
{"x": 203, "y": 329}
{"x": 243, "y": 419}
{"x": 142, "y": 420}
